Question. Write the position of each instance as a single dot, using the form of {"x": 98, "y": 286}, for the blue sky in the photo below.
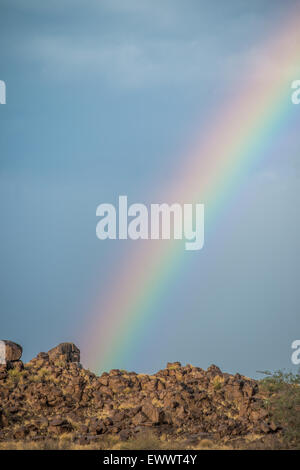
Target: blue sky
{"x": 102, "y": 99}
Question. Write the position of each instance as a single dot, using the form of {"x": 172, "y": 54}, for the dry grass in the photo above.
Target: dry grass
{"x": 144, "y": 441}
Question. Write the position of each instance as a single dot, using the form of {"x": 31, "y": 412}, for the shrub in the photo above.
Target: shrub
{"x": 218, "y": 383}
{"x": 14, "y": 375}
{"x": 282, "y": 400}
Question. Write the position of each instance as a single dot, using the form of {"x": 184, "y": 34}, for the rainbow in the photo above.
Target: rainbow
{"x": 234, "y": 141}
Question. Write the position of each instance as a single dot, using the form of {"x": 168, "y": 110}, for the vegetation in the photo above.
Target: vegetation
{"x": 144, "y": 441}
{"x": 282, "y": 399}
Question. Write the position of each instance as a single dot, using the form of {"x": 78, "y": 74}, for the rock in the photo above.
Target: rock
{"x": 264, "y": 427}
{"x": 93, "y": 438}
{"x": 9, "y": 352}
{"x": 42, "y": 355}
{"x": 119, "y": 416}
{"x": 83, "y": 429}
{"x": 97, "y": 428}
{"x": 139, "y": 418}
{"x": 65, "y": 352}
{"x": 82, "y": 440}
{"x": 57, "y": 421}
{"x": 124, "y": 435}
{"x": 173, "y": 365}
{"x": 214, "y": 370}
{"x": 155, "y": 415}
{"x": 17, "y": 365}
{"x": 21, "y": 432}
{"x": 3, "y": 371}
{"x": 108, "y": 421}
{"x": 59, "y": 426}
{"x": 274, "y": 427}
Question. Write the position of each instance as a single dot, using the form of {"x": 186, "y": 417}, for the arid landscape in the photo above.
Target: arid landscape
{"x": 52, "y": 402}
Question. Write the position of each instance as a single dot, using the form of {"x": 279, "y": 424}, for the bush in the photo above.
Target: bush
{"x": 14, "y": 375}
{"x": 282, "y": 399}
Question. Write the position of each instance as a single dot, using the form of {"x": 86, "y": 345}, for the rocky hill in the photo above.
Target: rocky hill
{"x": 52, "y": 395}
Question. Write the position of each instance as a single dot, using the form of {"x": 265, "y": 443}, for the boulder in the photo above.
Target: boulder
{"x": 3, "y": 371}
{"x": 214, "y": 370}
{"x": 42, "y": 355}
{"x": 17, "y": 365}
{"x": 173, "y": 365}
{"x": 9, "y": 352}
{"x": 59, "y": 425}
{"x": 155, "y": 415}
{"x": 65, "y": 352}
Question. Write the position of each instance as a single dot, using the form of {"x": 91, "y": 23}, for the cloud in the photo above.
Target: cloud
{"x": 143, "y": 43}
{"x": 144, "y": 62}
{"x": 163, "y": 12}
{"x": 125, "y": 64}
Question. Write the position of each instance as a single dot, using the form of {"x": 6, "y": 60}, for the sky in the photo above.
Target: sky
{"x": 103, "y": 99}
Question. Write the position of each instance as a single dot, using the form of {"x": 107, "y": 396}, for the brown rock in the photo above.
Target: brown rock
{"x": 9, "y": 351}
{"x": 139, "y": 418}
{"x": 97, "y": 428}
{"x": 57, "y": 421}
{"x": 65, "y": 352}
{"x": 59, "y": 426}
{"x": 118, "y": 416}
{"x": 264, "y": 427}
{"x": 173, "y": 365}
{"x": 215, "y": 370}
{"x": 273, "y": 427}
{"x": 42, "y": 355}
{"x": 3, "y": 371}
{"x": 83, "y": 429}
{"x": 21, "y": 432}
{"x": 18, "y": 365}
{"x": 124, "y": 435}
{"x": 155, "y": 415}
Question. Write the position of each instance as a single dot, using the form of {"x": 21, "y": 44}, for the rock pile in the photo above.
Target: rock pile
{"x": 54, "y": 395}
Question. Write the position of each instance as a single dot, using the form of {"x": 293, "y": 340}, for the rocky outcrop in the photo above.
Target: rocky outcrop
{"x": 10, "y": 354}
{"x": 54, "y": 395}
{"x": 65, "y": 352}
{"x": 9, "y": 351}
